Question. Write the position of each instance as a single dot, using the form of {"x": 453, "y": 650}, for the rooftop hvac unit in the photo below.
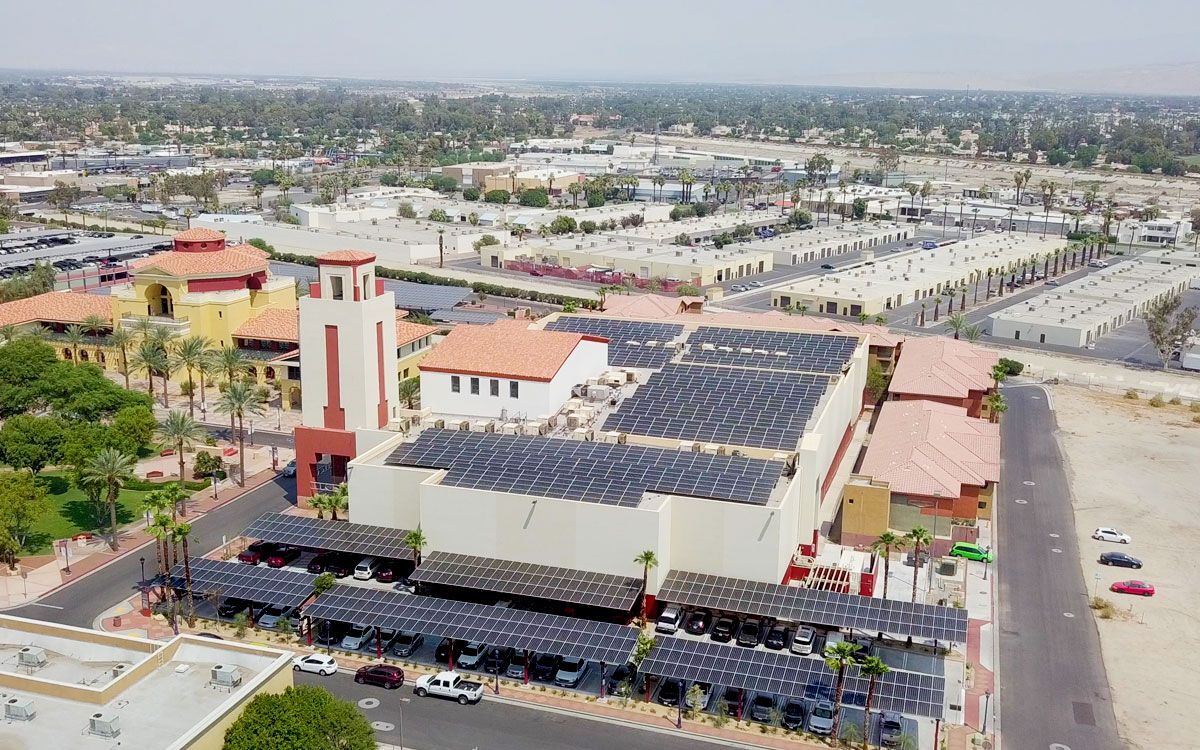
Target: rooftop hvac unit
{"x": 119, "y": 670}
{"x": 630, "y": 376}
{"x": 509, "y": 428}
{"x": 32, "y": 656}
{"x": 225, "y": 675}
{"x": 622, "y": 438}
{"x": 464, "y": 425}
{"x": 485, "y": 426}
{"x": 104, "y": 724}
{"x": 573, "y": 421}
{"x": 19, "y": 709}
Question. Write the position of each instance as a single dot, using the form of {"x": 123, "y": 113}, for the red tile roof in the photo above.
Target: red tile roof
{"x": 942, "y": 367}
{"x": 406, "y": 332}
{"x": 55, "y": 307}
{"x": 238, "y": 260}
{"x": 274, "y": 324}
{"x": 346, "y": 257}
{"x": 199, "y": 234}
{"x": 507, "y": 349}
{"x": 932, "y": 449}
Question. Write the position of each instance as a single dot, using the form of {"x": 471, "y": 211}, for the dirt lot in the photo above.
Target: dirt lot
{"x": 1137, "y": 468}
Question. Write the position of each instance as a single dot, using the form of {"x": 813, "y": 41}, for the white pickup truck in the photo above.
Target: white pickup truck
{"x": 449, "y": 685}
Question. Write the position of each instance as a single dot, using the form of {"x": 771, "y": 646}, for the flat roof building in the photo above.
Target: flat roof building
{"x": 830, "y": 241}
{"x": 699, "y": 229}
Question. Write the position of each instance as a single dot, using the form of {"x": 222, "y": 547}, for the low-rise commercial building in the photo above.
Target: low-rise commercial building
{"x": 1162, "y": 232}
{"x": 700, "y": 229}
{"x": 791, "y": 248}
{"x": 553, "y": 181}
{"x": 475, "y": 173}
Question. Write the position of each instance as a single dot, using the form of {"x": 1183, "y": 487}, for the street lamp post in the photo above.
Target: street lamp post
{"x": 987, "y": 704}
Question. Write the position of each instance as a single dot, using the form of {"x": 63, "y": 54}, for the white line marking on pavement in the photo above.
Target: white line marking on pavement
{"x": 48, "y": 606}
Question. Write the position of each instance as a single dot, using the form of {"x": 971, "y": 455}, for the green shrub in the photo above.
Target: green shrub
{"x": 471, "y": 193}
{"x": 1011, "y": 366}
{"x": 1177, "y": 401}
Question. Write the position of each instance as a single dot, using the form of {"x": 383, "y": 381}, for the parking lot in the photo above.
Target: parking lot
{"x": 75, "y": 251}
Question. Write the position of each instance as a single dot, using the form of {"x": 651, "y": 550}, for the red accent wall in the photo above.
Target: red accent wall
{"x": 217, "y": 285}
{"x": 335, "y": 415}
{"x": 382, "y": 404}
{"x": 831, "y": 472}
{"x": 311, "y": 444}
{"x": 207, "y": 246}
{"x": 314, "y": 290}
{"x": 378, "y": 287}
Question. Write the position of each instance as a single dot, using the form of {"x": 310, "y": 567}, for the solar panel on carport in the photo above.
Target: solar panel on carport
{"x": 336, "y": 536}
{"x": 529, "y": 580}
{"x": 233, "y": 580}
{"x": 825, "y": 608}
{"x": 780, "y": 673}
{"x": 495, "y": 626}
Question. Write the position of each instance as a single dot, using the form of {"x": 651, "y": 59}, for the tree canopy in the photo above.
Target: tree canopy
{"x": 303, "y": 716}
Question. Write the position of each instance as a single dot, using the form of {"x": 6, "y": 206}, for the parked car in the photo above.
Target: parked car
{"x": 733, "y": 698}
{"x": 449, "y": 685}
{"x": 739, "y": 288}
{"x": 723, "y": 629}
{"x": 1053, "y": 282}
{"x": 761, "y": 708}
{"x": 544, "y": 667}
{"x": 283, "y": 556}
{"x": 1109, "y": 534}
{"x": 891, "y": 727}
{"x": 386, "y": 572}
{"x": 320, "y": 561}
{"x": 1120, "y": 560}
{"x": 355, "y": 637}
{"x": 340, "y": 566}
{"x": 623, "y": 680}
{"x": 256, "y": 553}
{"x": 699, "y": 702}
{"x": 750, "y": 633}
{"x": 756, "y": 284}
{"x": 231, "y": 607}
{"x": 698, "y": 622}
{"x": 668, "y": 622}
{"x": 381, "y": 640}
{"x": 471, "y": 656}
{"x": 329, "y": 633}
{"x": 777, "y": 638}
{"x": 804, "y": 641}
{"x": 497, "y": 660}
{"x": 792, "y": 715}
{"x": 271, "y": 616}
{"x": 289, "y": 469}
{"x": 383, "y": 675}
{"x": 366, "y": 568}
{"x": 1097, "y": 264}
{"x": 1137, "y": 588}
{"x": 442, "y": 653}
{"x": 518, "y": 664}
{"x": 827, "y": 266}
{"x": 928, "y": 245}
{"x": 571, "y": 671}
{"x": 405, "y": 586}
{"x": 971, "y": 551}
{"x": 670, "y": 693}
{"x": 820, "y": 719}
{"x": 406, "y": 644}
{"x": 321, "y": 664}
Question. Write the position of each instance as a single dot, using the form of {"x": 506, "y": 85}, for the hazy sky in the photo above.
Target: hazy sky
{"x": 1013, "y": 44}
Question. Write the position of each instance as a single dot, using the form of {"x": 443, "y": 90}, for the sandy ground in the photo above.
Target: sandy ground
{"x": 1135, "y": 467}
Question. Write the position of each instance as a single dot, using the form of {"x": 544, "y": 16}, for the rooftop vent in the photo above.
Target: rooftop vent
{"x": 32, "y": 656}
{"x": 104, "y": 724}
{"x": 19, "y": 709}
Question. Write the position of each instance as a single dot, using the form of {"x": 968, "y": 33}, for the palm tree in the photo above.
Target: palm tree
{"x": 997, "y": 405}
{"x": 187, "y": 215}
{"x": 574, "y": 190}
{"x": 919, "y": 539}
{"x": 686, "y": 181}
{"x": 160, "y": 529}
{"x": 190, "y": 355}
{"x": 1049, "y": 188}
{"x": 647, "y": 559}
{"x": 9, "y": 333}
{"x": 838, "y": 657}
{"x": 957, "y": 322}
{"x": 415, "y": 540}
{"x": 121, "y": 339}
{"x": 75, "y": 340}
{"x": 338, "y": 500}
{"x": 872, "y": 667}
{"x": 410, "y": 390}
{"x": 147, "y": 358}
{"x": 181, "y": 531}
{"x": 179, "y": 432}
{"x": 108, "y": 471}
{"x": 257, "y": 192}
{"x": 238, "y": 400}
{"x": 95, "y": 325}
{"x": 1019, "y": 180}
{"x": 883, "y": 547}
{"x": 972, "y": 333}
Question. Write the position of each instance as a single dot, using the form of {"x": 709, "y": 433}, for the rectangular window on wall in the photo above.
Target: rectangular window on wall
{"x": 474, "y": 386}
{"x": 514, "y": 389}
{"x": 455, "y": 384}
{"x": 335, "y": 283}
{"x": 367, "y": 291}
{"x": 494, "y": 387}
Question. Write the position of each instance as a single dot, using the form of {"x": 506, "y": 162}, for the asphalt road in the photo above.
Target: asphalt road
{"x": 1052, "y": 688}
{"x": 79, "y": 603}
{"x": 435, "y": 724}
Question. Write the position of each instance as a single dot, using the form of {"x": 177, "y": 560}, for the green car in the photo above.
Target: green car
{"x": 971, "y": 552}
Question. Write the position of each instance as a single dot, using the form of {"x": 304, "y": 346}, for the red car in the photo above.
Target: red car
{"x": 256, "y": 553}
{"x": 383, "y": 675}
{"x": 1138, "y": 588}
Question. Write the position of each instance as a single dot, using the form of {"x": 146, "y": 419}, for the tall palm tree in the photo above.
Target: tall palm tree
{"x": 160, "y": 529}
{"x": 838, "y": 658}
{"x": 257, "y": 192}
{"x": 95, "y": 325}
{"x": 108, "y": 471}
{"x": 919, "y": 539}
{"x": 1049, "y": 188}
{"x": 883, "y": 547}
{"x": 972, "y": 333}
{"x": 410, "y": 391}
{"x": 871, "y": 667}
{"x": 415, "y": 540}
{"x": 190, "y": 355}
{"x": 147, "y": 358}
{"x": 181, "y": 531}
{"x": 997, "y": 405}
{"x": 121, "y": 339}
{"x": 75, "y": 339}
{"x": 179, "y": 432}
{"x": 647, "y": 559}
{"x": 957, "y": 322}
{"x": 239, "y": 400}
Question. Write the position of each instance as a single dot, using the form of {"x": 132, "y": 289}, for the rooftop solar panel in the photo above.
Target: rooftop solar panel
{"x": 530, "y": 580}
{"x": 783, "y": 674}
{"x": 495, "y": 626}
{"x": 225, "y": 579}
{"x": 825, "y": 608}
{"x": 335, "y": 536}
{"x": 722, "y": 405}
{"x": 631, "y": 343}
{"x": 770, "y": 350}
{"x": 454, "y": 315}
{"x": 608, "y": 473}
{"x": 409, "y": 295}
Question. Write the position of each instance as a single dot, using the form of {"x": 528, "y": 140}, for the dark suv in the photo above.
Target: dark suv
{"x": 497, "y": 659}
{"x": 319, "y": 563}
{"x": 777, "y": 638}
{"x": 750, "y": 633}
{"x": 723, "y": 630}
{"x": 698, "y": 622}
{"x": 544, "y": 667}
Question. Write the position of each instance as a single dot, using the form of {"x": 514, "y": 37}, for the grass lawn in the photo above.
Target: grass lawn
{"x": 1191, "y": 159}
{"x": 71, "y": 513}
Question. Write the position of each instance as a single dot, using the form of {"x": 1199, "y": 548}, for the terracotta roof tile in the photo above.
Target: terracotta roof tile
{"x": 503, "y": 349}
{"x": 408, "y": 332}
{"x": 199, "y": 234}
{"x": 941, "y": 366}
{"x": 230, "y": 261}
{"x": 55, "y": 307}
{"x": 346, "y": 256}
{"x": 272, "y": 324}
{"x": 932, "y": 449}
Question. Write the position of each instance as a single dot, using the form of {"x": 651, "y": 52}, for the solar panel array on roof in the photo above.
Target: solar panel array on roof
{"x": 770, "y": 350}
{"x": 607, "y": 473}
{"x": 409, "y": 295}
{"x": 825, "y": 608}
{"x": 455, "y": 315}
{"x": 495, "y": 626}
{"x": 779, "y": 673}
{"x": 335, "y": 536}
{"x": 722, "y": 405}
{"x": 529, "y": 580}
{"x": 631, "y": 343}
{"x": 287, "y": 588}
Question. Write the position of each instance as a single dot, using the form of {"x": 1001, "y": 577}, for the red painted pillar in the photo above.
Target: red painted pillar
{"x": 526, "y": 667}
{"x": 450, "y": 651}
{"x": 308, "y": 633}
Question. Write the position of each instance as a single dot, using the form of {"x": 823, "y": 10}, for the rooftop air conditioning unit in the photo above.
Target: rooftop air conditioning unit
{"x": 464, "y": 425}
{"x": 622, "y": 438}
{"x": 31, "y": 656}
{"x": 119, "y": 670}
{"x": 19, "y": 709}
{"x": 706, "y": 347}
{"x": 104, "y": 724}
{"x": 225, "y": 675}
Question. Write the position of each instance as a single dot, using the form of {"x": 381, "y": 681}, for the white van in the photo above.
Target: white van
{"x": 805, "y": 640}
{"x": 366, "y": 568}
{"x": 832, "y": 637}
{"x": 668, "y": 621}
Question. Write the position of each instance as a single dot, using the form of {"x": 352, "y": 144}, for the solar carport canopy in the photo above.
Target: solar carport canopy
{"x": 780, "y": 673}
{"x": 336, "y": 536}
{"x": 495, "y": 626}
{"x": 825, "y": 608}
{"x": 233, "y": 580}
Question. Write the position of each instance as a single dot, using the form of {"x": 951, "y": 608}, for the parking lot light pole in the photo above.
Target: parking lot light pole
{"x": 987, "y": 704}
{"x": 987, "y": 559}
{"x": 496, "y": 689}
{"x": 679, "y": 706}
{"x": 526, "y": 666}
